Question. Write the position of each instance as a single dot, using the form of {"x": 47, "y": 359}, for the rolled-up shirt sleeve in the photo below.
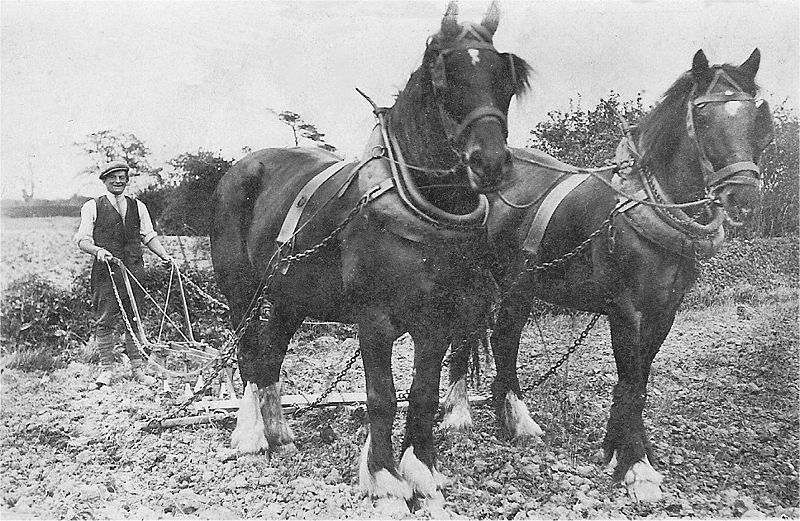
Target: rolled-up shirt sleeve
{"x": 88, "y": 216}
{"x": 146, "y": 229}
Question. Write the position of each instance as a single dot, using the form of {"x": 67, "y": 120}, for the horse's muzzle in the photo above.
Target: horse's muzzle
{"x": 739, "y": 196}
{"x": 486, "y": 171}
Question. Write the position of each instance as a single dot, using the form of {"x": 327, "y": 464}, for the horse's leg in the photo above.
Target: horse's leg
{"x": 378, "y": 475}
{"x": 261, "y": 353}
{"x": 474, "y": 313}
{"x": 636, "y": 338}
{"x": 511, "y": 412}
{"x": 418, "y": 463}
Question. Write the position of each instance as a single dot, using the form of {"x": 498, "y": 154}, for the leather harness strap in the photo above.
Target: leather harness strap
{"x": 299, "y": 203}
{"x": 545, "y": 212}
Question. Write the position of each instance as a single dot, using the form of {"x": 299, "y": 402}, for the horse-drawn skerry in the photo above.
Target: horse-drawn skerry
{"x": 389, "y": 243}
{"x": 625, "y": 242}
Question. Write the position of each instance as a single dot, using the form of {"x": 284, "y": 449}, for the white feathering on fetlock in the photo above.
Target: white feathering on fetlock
{"x": 382, "y": 483}
{"x": 519, "y": 423}
{"x": 248, "y": 436}
{"x": 277, "y": 429}
{"x": 643, "y": 481}
{"x": 457, "y": 412}
{"x": 423, "y": 480}
{"x": 611, "y": 466}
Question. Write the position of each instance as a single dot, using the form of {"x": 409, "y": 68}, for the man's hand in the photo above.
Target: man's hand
{"x": 168, "y": 260}
{"x": 103, "y": 255}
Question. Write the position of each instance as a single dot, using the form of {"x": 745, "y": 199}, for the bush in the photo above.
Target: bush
{"x": 188, "y": 210}
{"x": 585, "y": 138}
{"x": 778, "y": 213}
{"x": 156, "y": 198}
{"x": 44, "y": 326}
{"x": 39, "y": 317}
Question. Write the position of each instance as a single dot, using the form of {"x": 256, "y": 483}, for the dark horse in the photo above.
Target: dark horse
{"x": 637, "y": 233}
{"x": 389, "y": 245}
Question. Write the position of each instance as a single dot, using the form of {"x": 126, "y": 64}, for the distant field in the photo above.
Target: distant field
{"x": 45, "y": 245}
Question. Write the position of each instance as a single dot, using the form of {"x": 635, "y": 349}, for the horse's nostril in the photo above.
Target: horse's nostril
{"x": 476, "y": 160}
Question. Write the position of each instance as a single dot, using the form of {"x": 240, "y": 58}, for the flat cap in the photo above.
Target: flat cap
{"x": 113, "y": 166}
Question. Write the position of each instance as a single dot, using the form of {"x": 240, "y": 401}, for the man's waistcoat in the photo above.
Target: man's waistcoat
{"x": 123, "y": 240}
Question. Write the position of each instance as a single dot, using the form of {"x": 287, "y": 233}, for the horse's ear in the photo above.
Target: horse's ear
{"x": 492, "y": 18}
{"x": 699, "y": 63}
{"x": 750, "y": 65}
{"x": 450, "y": 21}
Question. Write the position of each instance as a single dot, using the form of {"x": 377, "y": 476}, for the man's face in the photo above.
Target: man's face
{"x": 116, "y": 182}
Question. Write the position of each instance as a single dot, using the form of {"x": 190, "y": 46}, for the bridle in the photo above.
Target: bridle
{"x": 714, "y": 179}
{"x": 479, "y": 38}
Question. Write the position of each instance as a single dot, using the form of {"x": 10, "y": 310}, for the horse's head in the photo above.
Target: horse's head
{"x": 472, "y": 85}
{"x": 730, "y": 128}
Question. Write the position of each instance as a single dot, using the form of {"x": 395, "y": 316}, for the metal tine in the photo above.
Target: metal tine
{"x": 198, "y": 386}
{"x": 187, "y": 392}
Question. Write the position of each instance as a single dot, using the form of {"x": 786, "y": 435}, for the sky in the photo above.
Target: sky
{"x": 188, "y": 75}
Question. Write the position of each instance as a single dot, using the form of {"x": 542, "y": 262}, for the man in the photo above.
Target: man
{"x": 115, "y": 226}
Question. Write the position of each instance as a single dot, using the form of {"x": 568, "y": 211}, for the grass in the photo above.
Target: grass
{"x": 30, "y": 360}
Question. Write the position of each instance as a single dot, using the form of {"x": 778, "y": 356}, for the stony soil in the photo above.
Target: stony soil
{"x": 722, "y": 413}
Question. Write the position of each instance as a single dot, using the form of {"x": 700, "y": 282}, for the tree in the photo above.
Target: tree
{"x": 108, "y": 145}
{"x": 185, "y": 206}
{"x": 304, "y": 130}
{"x": 585, "y": 138}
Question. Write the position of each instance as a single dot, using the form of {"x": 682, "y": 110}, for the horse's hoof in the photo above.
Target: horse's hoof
{"x": 457, "y": 420}
{"x": 249, "y": 443}
{"x": 425, "y": 482}
{"x": 434, "y": 507}
{"x": 288, "y": 449}
{"x": 519, "y": 424}
{"x": 643, "y": 482}
{"x": 458, "y": 415}
{"x": 381, "y": 483}
{"x": 248, "y": 437}
{"x": 389, "y": 507}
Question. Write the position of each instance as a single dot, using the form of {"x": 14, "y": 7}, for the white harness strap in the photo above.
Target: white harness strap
{"x": 545, "y": 212}
{"x": 299, "y": 203}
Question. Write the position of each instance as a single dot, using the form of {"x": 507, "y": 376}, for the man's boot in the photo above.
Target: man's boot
{"x": 137, "y": 364}
{"x": 138, "y": 374}
{"x": 105, "y": 348}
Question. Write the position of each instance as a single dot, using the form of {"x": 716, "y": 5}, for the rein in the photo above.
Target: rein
{"x": 598, "y": 174}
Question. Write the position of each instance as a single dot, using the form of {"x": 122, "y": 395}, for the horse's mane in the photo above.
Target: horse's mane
{"x": 662, "y": 129}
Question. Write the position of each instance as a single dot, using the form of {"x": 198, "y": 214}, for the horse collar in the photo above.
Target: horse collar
{"x": 383, "y": 143}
